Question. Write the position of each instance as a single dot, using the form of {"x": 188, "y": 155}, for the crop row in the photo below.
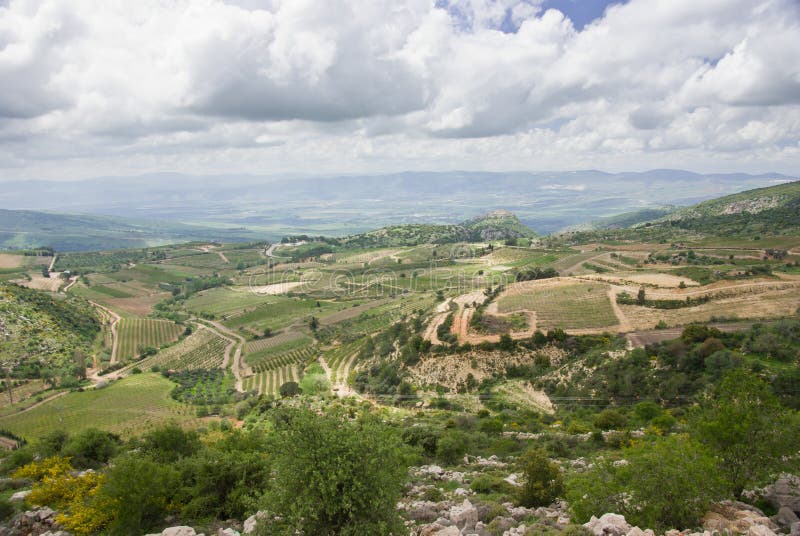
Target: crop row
{"x": 269, "y": 382}
{"x": 286, "y": 358}
{"x": 136, "y": 333}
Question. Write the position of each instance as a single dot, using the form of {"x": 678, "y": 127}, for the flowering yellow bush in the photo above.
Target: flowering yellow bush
{"x": 46, "y": 468}
{"x": 82, "y": 510}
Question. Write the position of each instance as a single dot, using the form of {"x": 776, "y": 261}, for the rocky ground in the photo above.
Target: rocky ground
{"x": 441, "y": 502}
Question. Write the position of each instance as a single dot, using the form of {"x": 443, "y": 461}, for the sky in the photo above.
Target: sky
{"x": 276, "y": 87}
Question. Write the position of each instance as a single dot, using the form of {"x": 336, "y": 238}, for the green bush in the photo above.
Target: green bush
{"x": 452, "y": 446}
{"x": 543, "y": 482}
{"x": 91, "y": 448}
{"x": 610, "y": 419}
{"x": 335, "y": 476}
{"x": 668, "y": 483}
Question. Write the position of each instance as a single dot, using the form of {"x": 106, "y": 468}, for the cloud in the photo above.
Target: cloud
{"x": 388, "y": 85}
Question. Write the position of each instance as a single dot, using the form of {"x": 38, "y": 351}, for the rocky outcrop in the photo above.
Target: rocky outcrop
{"x": 732, "y": 517}
{"x": 35, "y": 522}
{"x": 608, "y": 525}
{"x": 784, "y": 492}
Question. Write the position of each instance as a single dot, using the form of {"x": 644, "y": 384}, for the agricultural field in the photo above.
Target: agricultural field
{"x": 138, "y": 334}
{"x": 297, "y": 351}
{"x": 569, "y": 306}
{"x": 203, "y": 349}
{"x": 127, "y": 407}
{"x": 269, "y": 382}
{"x": 283, "y": 338}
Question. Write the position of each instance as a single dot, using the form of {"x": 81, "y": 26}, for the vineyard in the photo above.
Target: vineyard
{"x": 137, "y": 333}
{"x": 280, "y": 339}
{"x": 269, "y": 382}
{"x": 294, "y": 352}
{"x": 341, "y": 360}
{"x": 128, "y": 407}
{"x": 201, "y": 350}
{"x": 574, "y": 306}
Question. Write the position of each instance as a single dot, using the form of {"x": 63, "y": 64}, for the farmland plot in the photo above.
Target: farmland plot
{"x": 569, "y": 306}
{"x": 137, "y": 333}
{"x": 203, "y": 349}
{"x": 128, "y": 407}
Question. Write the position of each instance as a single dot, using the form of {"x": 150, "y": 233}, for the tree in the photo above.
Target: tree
{"x": 91, "y": 448}
{"x": 313, "y": 323}
{"x": 142, "y": 491}
{"x": 543, "y": 482}
{"x": 334, "y": 476}
{"x": 451, "y": 446}
{"x": 290, "y": 389}
{"x": 746, "y": 427}
{"x": 640, "y": 296}
{"x": 667, "y": 483}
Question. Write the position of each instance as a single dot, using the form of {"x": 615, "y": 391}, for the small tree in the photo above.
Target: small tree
{"x": 746, "y": 427}
{"x": 313, "y": 323}
{"x": 334, "y": 476}
{"x": 289, "y": 389}
{"x": 543, "y": 481}
{"x": 640, "y": 296}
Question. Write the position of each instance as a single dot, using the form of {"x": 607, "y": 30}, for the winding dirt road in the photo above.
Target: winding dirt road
{"x": 114, "y": 339}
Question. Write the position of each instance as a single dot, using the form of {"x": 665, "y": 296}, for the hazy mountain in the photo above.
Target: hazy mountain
{"x": 544, "y": 201}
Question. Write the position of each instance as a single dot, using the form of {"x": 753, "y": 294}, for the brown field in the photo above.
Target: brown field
{"x": 137, "y": 306}
{"x": 732, "y": 301}
{"x": 38, "y": 282}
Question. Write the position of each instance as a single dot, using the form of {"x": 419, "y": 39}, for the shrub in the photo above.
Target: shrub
{"x": 451, "y": 447}
{"x": 290, "y": 389}
{"x": 610, "y": 419}
{"x": 665, "y": 484}
{"x": 91, "y": 448}
{"x": 335, "y": 476}
{"x": 543, "y": 482}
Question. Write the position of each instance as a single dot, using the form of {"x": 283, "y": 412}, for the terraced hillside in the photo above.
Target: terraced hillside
{"x": 137, "y": 335}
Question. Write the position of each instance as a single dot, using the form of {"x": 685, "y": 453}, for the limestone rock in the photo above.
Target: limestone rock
{"x": 250, "y": 523}
{"x": 178, "y": 531}
{"x": 608, "y": 525}
{"x": 20, "y": 495}
{"x": 464, "y": 516}
{"x": 785, "y": 517}
{"x": 784, "y": 492}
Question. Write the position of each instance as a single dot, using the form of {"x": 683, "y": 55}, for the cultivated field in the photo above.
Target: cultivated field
{"x": 127, "y": 407}
{"x": 136, "y": 334}
{"x": 568, "y": 305}
{"x": 203, "y": 349}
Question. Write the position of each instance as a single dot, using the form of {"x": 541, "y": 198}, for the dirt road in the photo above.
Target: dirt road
{"x": 238, "y": 367}
{"x": 114, "y": 339}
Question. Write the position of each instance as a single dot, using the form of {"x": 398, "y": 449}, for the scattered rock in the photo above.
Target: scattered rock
{"x": 784, "y": 492}
{"x": 20, "y": 495}
{"x": 464, "y": 516}
{"x": 424, "y": 511}
{"x": 737, "y": 518}
{"x": 250, "y": 523}
{"x": 785, "y": 517}
{"x": 178, "y": 531}
{"x": 608, "y": 525}
{"x": 228, "y": 532}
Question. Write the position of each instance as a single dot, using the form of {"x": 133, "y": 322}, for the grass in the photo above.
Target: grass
{"x": 223, "y": 301}
{"x": 280, "y": 311}
{"x": 275, "y": 341}
{"x": 578, "y": 306}
{"x": 136, "y": 333}
{"x": 128, "y": 407}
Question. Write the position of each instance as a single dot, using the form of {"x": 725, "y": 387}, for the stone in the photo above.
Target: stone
{"x": 228, "y": 532}
{"x": 250, "y": 523}
{"x": 20, "y": 495}
{"x": 44, "y": 514}
{"x": 785, "y": 517}
{"x": 795, "y": 530}
{"x": 760, "y": 530}
{"x": 448, "y": 531}
{"x": 464, "y": 516}
{"x": 423, "y": 511}
{"x": 784, "y": 492}
{"x": 178, "y": 531}
{"x": 513, "y": 479}
{"x": 608, "y": 525}
{"x": 636, "y": 531}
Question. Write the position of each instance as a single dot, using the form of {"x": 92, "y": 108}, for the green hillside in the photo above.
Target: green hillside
{"x": 21, "y": 229}
{"x": 772, "y": 211}
{"x": 43, "y": 331}
{"x": 496, "y": 225}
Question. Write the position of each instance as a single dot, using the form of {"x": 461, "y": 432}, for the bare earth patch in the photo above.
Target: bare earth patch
{"x": 277, "y": 288}
{"x": 38, "y": 282}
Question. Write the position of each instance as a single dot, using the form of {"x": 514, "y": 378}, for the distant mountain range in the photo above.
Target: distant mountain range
{"x": 148, "y": 209}
{"x": 545, "y": 201}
